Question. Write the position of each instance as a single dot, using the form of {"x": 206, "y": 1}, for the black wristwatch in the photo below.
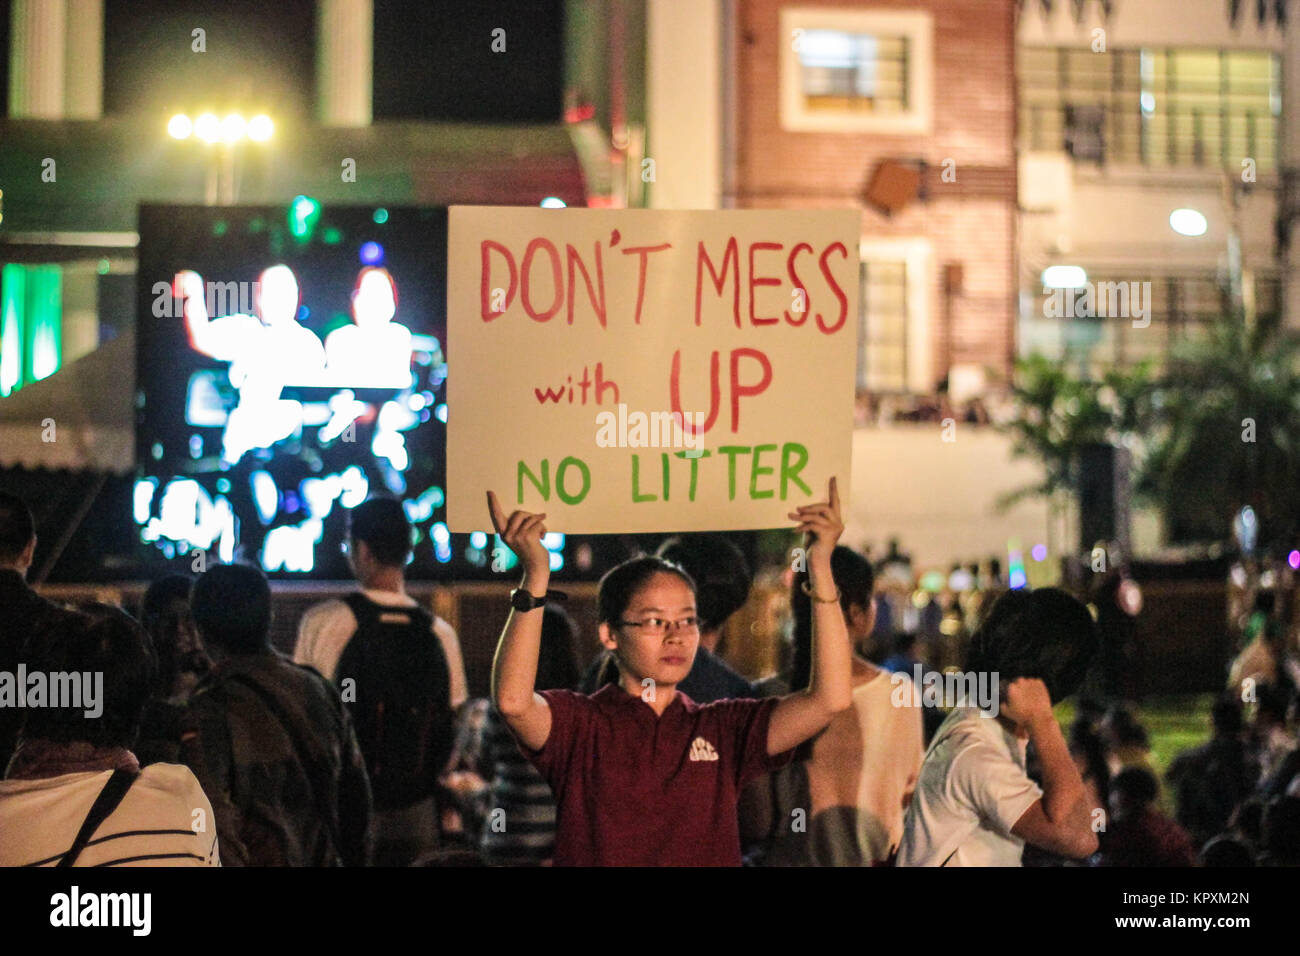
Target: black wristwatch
{"x": 521, "y": 600}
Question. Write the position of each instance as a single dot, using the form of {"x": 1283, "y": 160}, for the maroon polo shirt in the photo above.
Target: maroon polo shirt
{"x": 636, "y": 789}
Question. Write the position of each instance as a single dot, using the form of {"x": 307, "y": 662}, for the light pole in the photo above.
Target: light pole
{"x": 223, "y": 137}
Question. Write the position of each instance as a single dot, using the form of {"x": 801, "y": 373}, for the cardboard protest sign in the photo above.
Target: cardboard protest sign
{"x": 636, "y": 370}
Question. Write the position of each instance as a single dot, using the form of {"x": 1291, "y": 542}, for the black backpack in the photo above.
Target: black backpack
{"x": 400, "y": 702}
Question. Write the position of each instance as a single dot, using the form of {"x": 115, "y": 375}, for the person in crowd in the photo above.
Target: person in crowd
{"x": 75, "y": 793}
{"x": 975, "y": 805}
{"x": 1127, "y": 742}
{"x": 406, "y": 679}
{"x": 182, "y": 664}
{"x": 1281, "y": 832}
{"x": 906, "y": 655}
{"x": 1270, "y": 740}
{"x": 1226, "y": 851}
{"x": 22, "y": 611}
{"x": 519, "y": 827}
{"x": 852, "y": 781}
{"x": 1210, "y": 780}
{"x": 271, "y": 741}
{"x": 723, "y": 581}
{"x": 641, "y": 773}
{"x": 1137, "y": 833}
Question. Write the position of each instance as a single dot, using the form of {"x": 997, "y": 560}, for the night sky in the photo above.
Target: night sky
{"x": 432, "y": 61}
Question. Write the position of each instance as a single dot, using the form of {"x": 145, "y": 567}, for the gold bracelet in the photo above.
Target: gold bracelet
{"x": 820, "y": 600}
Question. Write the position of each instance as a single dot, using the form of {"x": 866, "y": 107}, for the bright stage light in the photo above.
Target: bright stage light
{"x": 260, "y": 128}
{"x": 232, "y": 128}
{"x": 208, "y": 128}
{"x": 180, "y": 126}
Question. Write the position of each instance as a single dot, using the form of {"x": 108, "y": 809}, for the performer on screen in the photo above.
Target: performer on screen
{"x": 375, "y": 352}
{"x": 266, "y": 352}
{"x": 641, "y": 774}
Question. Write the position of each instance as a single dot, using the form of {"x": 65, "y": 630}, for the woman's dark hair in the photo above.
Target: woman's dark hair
{"x": 721, "y": 574}
{"x": 231, "y": 604}
{"x": 98, "y": 639}
{"x": 155, "y": 609}
{"x": 1044, "y": 633}
{"x": 856, "y": 581}
{"x": 557, "y": 664}
{"x": 620, "y": 584}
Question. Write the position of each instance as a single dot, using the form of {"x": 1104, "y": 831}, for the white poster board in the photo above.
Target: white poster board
{"x": 634, "y": 370}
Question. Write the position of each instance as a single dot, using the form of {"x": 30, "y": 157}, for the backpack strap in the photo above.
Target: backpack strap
{"x": 108, "y": 800}
{"x": 367, "y": 611}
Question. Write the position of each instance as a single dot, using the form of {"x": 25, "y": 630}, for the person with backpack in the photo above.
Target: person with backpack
{"x": 270, "y": 741}
{"x": 400, "y": 672}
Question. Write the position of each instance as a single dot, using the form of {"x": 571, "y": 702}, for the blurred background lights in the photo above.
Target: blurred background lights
{"x": 1293, "y": 559}
{"x": 553, "y": 202}
{"x": 441, "y": 413}
{"x": 180, "y": 126}
{"x": 380, "y": 216}
{"x": 233, "y": 127}
{"x": 1064, "y": 277}
{"x": 260, "y": 128}
{"x": 1187, "y": 222}
{"x": 479, "y": 540}
{"x": 372, "y": 253}
{"x": 1040, "y": 552}
{"x": 208, "y": 128}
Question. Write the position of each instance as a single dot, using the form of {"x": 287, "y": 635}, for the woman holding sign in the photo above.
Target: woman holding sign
{"x": 642, "y": 775}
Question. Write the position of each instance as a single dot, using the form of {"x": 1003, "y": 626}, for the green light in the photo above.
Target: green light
{"x": 257, "y": 225}
{"x": 223, "y": 486}
{"x": 219, "y": 228}
{"x": 31, "y": 324}
{"x": 45, "y": 306}
{"x": 103, "y": 267}
{"x": 332, "y": 236}
{"x": 304, "y": 212}
{"x": 13, "y": 281}
{"x": 381, "y": 216}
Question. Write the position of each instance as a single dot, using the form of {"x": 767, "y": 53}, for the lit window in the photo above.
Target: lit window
{"x": 853, "y": 71}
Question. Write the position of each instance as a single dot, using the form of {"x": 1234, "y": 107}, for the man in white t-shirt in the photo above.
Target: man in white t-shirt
{"x": 67, "y": 754}
{"x": 405, "y": 823}
{"x": 974, "y": 803}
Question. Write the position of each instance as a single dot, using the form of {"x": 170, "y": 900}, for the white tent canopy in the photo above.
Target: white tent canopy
{"x": 86, "y": 408}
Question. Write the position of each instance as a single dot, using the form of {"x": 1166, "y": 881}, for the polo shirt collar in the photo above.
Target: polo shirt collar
{"x": 613, "y": 697}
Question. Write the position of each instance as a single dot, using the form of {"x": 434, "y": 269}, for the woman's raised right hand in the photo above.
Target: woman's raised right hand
{"x": 522, "y": 532}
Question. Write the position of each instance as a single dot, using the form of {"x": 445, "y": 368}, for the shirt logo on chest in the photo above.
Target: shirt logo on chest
{"x": 701, "y": 749}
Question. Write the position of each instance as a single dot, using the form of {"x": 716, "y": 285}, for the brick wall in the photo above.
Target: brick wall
{"x": 971, "y": 221}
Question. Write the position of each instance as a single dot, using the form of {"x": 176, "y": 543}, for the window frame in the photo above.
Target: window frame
{"x": 916, "y": 26}
{"x": 917, "y": 256}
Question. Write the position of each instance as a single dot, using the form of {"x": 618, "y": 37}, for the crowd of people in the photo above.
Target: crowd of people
{"x": 207, "y": 746}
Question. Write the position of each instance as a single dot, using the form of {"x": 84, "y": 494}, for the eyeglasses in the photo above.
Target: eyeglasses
{"x": 658, "y": 627}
